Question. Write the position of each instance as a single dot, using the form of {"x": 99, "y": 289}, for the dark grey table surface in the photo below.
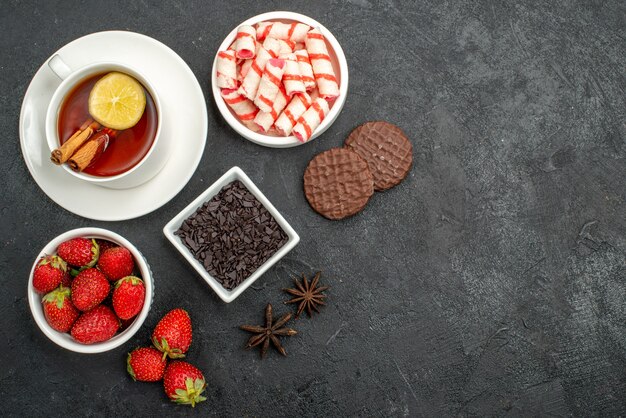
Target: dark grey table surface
{"x": 491, "y": 282}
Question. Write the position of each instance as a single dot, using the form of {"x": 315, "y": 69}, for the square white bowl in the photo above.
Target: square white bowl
{"x": 172, "y": 226}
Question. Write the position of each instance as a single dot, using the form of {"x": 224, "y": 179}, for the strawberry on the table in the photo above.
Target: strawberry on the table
{"x": 184, "y": 383}
{"x": 145, "y": 364}
{"x": 173, "y": 335}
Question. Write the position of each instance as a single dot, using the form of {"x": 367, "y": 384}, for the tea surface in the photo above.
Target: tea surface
{"x": 126, "y": 149}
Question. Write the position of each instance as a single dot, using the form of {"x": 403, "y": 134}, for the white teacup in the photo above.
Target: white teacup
{"x": 151, "y": 163}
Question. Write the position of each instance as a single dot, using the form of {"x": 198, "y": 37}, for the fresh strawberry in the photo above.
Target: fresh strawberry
{"x": 145, "y": 364}
{"x": 59, "y": 310}
{"x": 184, "y": 383}
{"x": 97, "y": 325}
{"x": 89, "y": 289}
{"x": 105, "y": 245}
{"x": 49, "y": 273}
{"x": 116, "y": 263}
{"x": 79, "y": 252}
{"x": 128, "y": 297}
{"x": 172, "y": 335}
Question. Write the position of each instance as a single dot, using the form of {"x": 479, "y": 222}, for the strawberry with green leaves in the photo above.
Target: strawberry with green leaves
{"x": 59, "y": 310}
{"x": 128, "y": 297}
{"x": 184, "y": 383}
{"x": 49, "y": 273}
{"x": 116, "y": 263}
{"x": 89, "y": 289}
{"x": 146, "y": 364}
{"x": 172, "y": 335}
{"x": 79, "y": 252}
{"x": 95, "y": 326}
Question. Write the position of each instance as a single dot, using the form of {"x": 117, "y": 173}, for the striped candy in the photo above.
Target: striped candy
{"x": 243, "y": 108}
{"x": 265, "y": 120}
{"x": 292, "y": 78}
{"x": 322, "y": 67}
{"x": 227, "y": 70}
{"x": 311, "y": 119}
{"x": 251, "y": 81}
{"x": 289, "y": 118}
{"x": 287, "y": 31}
{"x": 246, "y": 42}
{"x": 270, "y": 84}
{"x": 306, "y": 70}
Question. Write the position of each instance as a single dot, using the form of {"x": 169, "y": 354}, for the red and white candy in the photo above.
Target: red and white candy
{"x": 243, "y": 108}
{"x": 306, "y": 70}
{"x": 245, "y": 47}
{"x": 289, "y": 118}
{"x": 322, "y": 67}
{"x": 295, "y": 31}
{"x": 271, "y": 82}
{"x": 311, "y": 119}
{"x": 278, "y": 78}
{"x": 227, "y": 69}
{"x": 250, "y": 83}
{"x": 265, "y": 120}
{"x": 292, "y": 78}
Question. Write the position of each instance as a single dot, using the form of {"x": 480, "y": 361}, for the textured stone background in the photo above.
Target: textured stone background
{"x": 491, "y": 282}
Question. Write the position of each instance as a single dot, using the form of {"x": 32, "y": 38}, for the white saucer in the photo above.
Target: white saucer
{"x": 184, "y": 115}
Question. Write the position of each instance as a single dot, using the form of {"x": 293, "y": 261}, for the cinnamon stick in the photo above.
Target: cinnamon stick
{"x": 89, "y": 152}
{"x": 62, "y": 154}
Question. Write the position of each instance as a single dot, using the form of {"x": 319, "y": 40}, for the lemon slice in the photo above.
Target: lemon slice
{"x": 117, "y": 101}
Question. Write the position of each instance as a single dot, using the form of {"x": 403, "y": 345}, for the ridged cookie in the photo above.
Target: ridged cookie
{"x": 387, "y": 150}
{"x": 338, "y": 183}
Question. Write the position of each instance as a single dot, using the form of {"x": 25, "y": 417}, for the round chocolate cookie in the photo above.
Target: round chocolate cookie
{"x": 338, "y": 183}
{"x": 388, "y": 152}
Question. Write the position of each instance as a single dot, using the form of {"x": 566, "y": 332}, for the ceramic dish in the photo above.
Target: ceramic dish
{"x": 231, "y": 175}
{"x": 183, "y": 108}
{"x": 66, "y": 340}
{"x": 339, "y": 63}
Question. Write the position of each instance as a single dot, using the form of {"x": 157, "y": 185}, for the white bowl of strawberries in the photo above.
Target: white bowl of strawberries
{"x": 90, "y": 290}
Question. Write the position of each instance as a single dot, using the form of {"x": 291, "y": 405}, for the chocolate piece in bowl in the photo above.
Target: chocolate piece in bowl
{"x": 387, "y": 150}
{"x": 232, "y": 235}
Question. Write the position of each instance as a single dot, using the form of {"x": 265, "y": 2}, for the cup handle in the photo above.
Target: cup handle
{"x": 59, "y": 67}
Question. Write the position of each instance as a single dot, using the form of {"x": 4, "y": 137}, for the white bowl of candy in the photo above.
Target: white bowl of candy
{"x": 280, "y": 79}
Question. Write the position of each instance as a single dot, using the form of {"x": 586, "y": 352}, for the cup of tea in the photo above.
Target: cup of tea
{"x": 129, "y": 157}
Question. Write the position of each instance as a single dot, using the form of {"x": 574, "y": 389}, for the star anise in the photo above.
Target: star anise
{"x": 309, "y": 296}
{"x": 269, "y": 333}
